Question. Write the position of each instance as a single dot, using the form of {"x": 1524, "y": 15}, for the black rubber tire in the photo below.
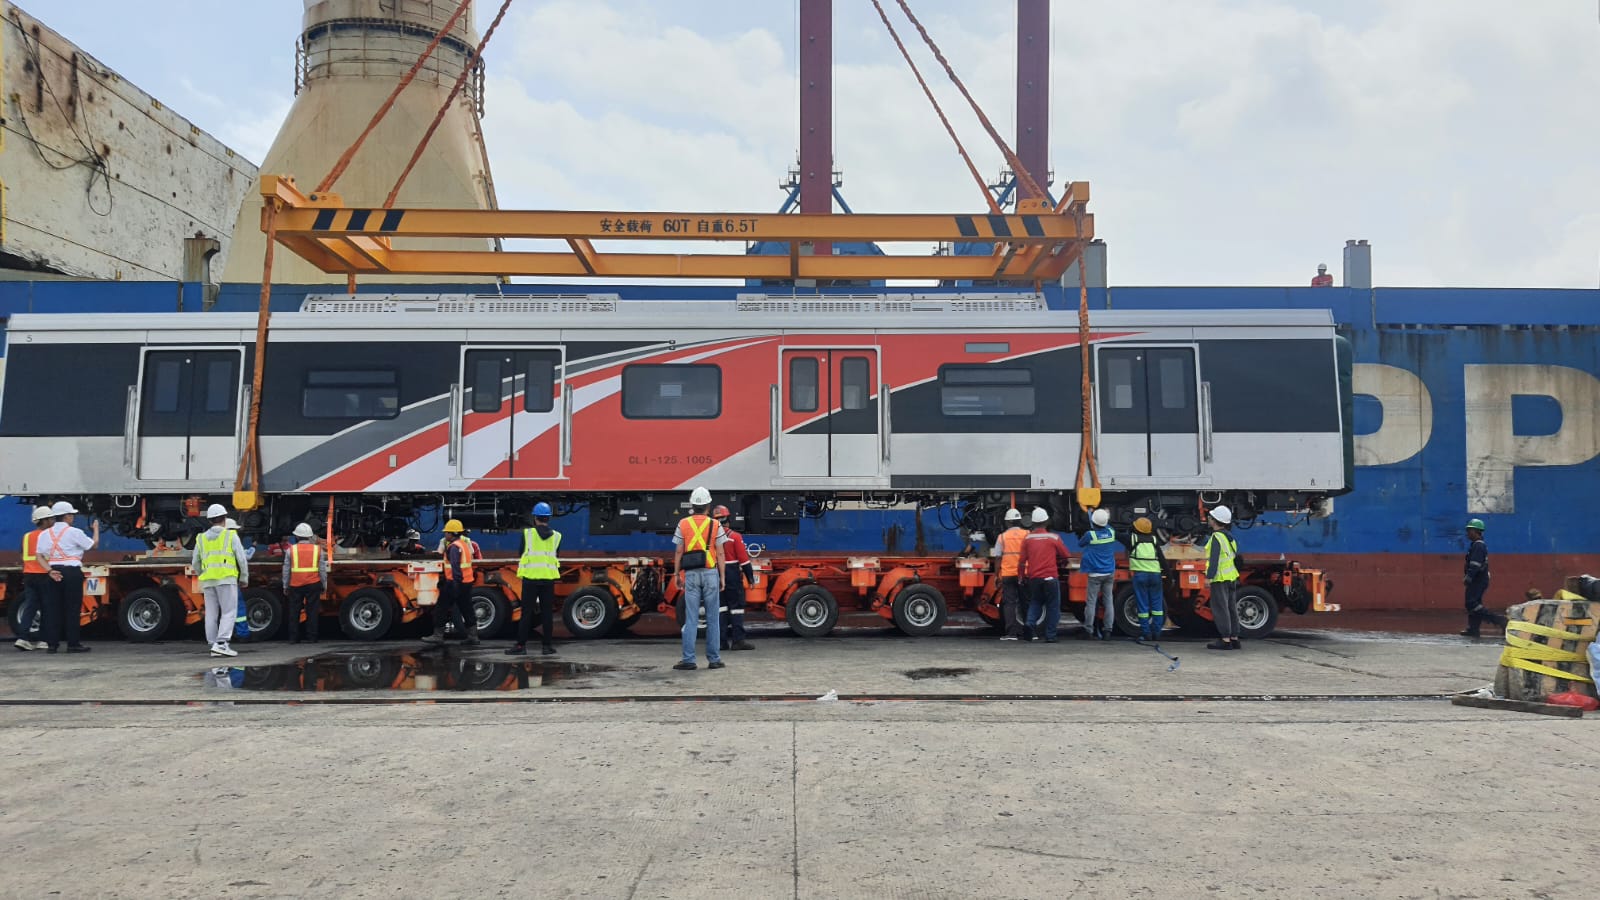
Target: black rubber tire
{"x": 1183, "y": 614}
{"x": 812, "y": 611}
{"x": 475, "y": 674}
{"x": 1257, "y": 610}
{"x": 493, "y": 611}
{"x": 919, "y": 610}
{"x": 371, "y": 671}
{"x": 148, "y": 614}
{"x": 1126, "y": 603}
{"x": 590, "y": 613}
{"x": 368, "y": 614}
{"x": 264, "y": 611}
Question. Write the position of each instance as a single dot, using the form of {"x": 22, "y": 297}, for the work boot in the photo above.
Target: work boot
{"x": 1218, "y": 644}
{"x": 517, "y": 650}
{"x": 472, "y": 634}
{"x": 1470, "y": 632}
{"x": 742, "y": 645}
{"x": 548, "y": 650}
{"x": 436, "y": 638}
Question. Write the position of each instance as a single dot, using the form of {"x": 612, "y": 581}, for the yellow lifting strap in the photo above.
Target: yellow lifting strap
{"x": 1523, "y": 653}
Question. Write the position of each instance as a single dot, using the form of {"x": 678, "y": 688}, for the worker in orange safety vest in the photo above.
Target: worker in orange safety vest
{"x": 1009, "y": 549}
{"x": 305, "y": 580}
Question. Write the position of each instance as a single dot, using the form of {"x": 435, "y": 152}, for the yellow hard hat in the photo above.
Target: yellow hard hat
{"x": 1141, "y": 525}
{"x": 454, "y": 526}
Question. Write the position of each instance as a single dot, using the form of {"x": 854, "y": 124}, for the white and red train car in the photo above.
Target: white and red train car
{"x": 479, "y": 406}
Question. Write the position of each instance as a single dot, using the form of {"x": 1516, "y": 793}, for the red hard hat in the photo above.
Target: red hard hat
{"x": 720, "y": 512}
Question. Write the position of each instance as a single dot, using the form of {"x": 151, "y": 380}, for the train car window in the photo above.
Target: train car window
{"x": 539, "y": 394}
{"x": 486, "y": 384}
{"x": 855, "y": 382}
{"x": 803, "y": 384}
{"x": 988, "y": 347}
{"x": 165, "y": 392}
{"x": 351, "y": 394}
{"x": 1174, "y": 399}
{"x": 985, "y": 391}
{"x": 671, "y": 391}
{"x": 1119, "y": 382}
{"x": 1174, "y": 381}
{"x": 220, "y": 386}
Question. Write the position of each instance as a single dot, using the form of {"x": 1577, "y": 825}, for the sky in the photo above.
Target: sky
{"x": 1227, "y": 142}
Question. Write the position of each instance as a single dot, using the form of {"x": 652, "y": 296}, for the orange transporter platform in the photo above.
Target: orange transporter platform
{"x": 149, "y": 597}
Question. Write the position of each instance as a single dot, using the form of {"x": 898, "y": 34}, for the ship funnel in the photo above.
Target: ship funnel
{"x": 350, "y": 55}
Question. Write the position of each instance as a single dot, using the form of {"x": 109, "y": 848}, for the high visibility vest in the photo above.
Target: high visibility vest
{"x": 1102, "y": 536}
{"x": 539, "y": 556}
{"x": 55, "y": 554}
{"x": 31, "y": 564}
{"x": 1011, "y": 551}
{"x": 699, "y": 533}
{"x": 467, "y": 547}
{"x": 217, "y": 561}
{"x": 1143, "y": 558}
{"x": 304, "y": 568}
{"x": 1227, "y": 570}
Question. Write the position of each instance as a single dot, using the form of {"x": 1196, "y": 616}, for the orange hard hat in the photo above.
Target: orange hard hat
{"x": 720, "y": 512}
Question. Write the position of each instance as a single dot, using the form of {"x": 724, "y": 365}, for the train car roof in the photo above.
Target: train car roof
{"x": 333, "y": 312}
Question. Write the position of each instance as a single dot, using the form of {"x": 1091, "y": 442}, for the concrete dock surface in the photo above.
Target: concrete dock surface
{"x": 1314, "y": 764}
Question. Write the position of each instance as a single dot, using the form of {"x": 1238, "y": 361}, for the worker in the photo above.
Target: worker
{"x": 738, "y": 571}
{"x": 62, "y": 546}
{"x": 1009, "y": 549}
{"x": 698, "y": 540}
{"x": 1222, "y": 570}
{"x": 408, "y": 546}
{"x": 1144, "y": 561}
{"x": 539, "y": 569}
{"x": 305, "y": 581}
{"x": 1322, "y": 279}
{"x": 455, "y": 585}
{"x": 1099, "y": 562}
{"x": 1043, "y": 554}
{"x": 222, "y": 567}
{"x": 1476, "y": 579}
{"x": 30, "y": 614}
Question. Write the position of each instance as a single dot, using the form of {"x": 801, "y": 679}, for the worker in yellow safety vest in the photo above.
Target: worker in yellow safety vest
{"x": 305, "y": 580}
{"x": 539, "y": 569}
{"x": 1144, "y": 561}
{"x": 699, "y": 539}
{"x": 1009, "y": 549}
{"x": 455, "y": 584}
{"x": 35, "y": 574}
{"x": 220, "y": 563}
{"x": 1222, "y": 571}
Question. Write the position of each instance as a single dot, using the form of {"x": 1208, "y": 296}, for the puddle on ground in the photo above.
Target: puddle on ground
{"x": 924, "y": 674}
{"x": 399, "y": 672}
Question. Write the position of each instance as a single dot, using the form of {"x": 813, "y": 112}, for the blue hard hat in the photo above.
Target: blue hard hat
{"x": 541, "y": 509}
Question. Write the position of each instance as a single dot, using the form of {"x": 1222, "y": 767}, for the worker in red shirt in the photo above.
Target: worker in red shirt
{"x": 1043, "y": 554}
{"x": 1323, "y": 279}
{"x": 738, "y": 573}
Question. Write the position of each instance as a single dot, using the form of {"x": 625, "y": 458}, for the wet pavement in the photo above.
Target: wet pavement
{"x": 398, "y": 671}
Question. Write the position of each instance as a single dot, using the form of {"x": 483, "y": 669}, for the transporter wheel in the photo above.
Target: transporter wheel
{"x": 590, "y": 612}
{"x": 812, "y": 611}
{"x": 1125, "y": 600}
{"x": 368, "y": 614}
{"x": 146, "y": 614}
{"x": 919, "y": 610}
{"x": 263, "y": 612}
{"x": 1257, "y": 610}
{"x": 492, "y": 610}
{"x": 371, "y": 671}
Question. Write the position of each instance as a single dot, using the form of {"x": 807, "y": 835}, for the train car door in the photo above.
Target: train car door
{"x": 510, "y": 412}
{"x": 189, "y": 415}
{"x": 830, "y": 422}
{"x": 1148, "y": 399}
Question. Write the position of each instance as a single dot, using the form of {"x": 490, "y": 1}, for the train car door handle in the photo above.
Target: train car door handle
{"x": 888, "y": 423}
{"x": 775, "y": 426}
{"x": 130, "y": 425}
{"x": 1205, "y": 421}
{"x": 453, "y": 441}
{"x": 566, "y": 424}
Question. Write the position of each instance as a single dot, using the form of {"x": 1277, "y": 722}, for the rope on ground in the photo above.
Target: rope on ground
{"x": 1522, "y": 653}
{"x": 461, "y": 81}
{"x": 405, "y": 80}
{"x": 1021, "y": 171}
{"x": 928, "y": 92}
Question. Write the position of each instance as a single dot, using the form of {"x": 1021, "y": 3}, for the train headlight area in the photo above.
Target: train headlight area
{"x": 386, "y": 415}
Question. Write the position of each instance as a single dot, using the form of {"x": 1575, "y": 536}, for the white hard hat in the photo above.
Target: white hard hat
{"x": 1322, "y": 267}
{"x": 1100, "y": 517}
{"x": 62, "y": 508}
{"x": 1013, "y": 515}
{"x": 216, "y": 511}
{"x": 41, "y": 512}
{"x": 700, "y": 497}
{"x": 304, "y": 530}
{"x": 1222, "y": 514}
{"x": 231, "y": 524}
{"x": 1040, "y": 515}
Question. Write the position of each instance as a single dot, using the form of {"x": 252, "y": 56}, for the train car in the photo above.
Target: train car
{"x": 405, "y": 407}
